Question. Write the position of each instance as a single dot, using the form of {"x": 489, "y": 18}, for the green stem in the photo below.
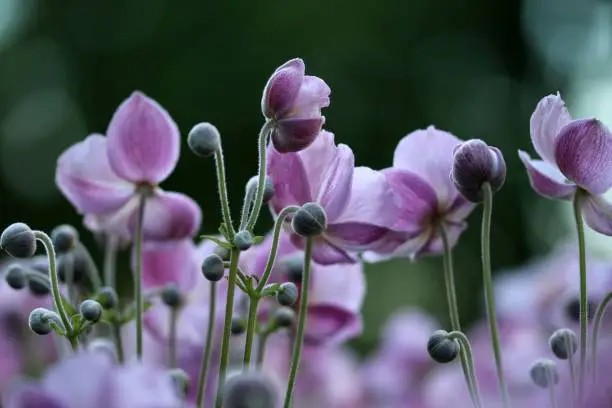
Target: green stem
{"x": 264, "y": 133}
{"x": 69, "y": 276}
{"x": 172, "y": 340}
{"x": 551, "y": 389}
{"x": 116, "y": 332}
{"x": 110, "y": 261}
{"x": 57, "y": 296}
{"x": 251, "y": 325}
{"x": 261, "y": 348}
{"x": 465, "y": 345}
{"x": 212, "y": 308}
{"x": 92, "y": 270}
{"x": 572, "y": 368}
{"x": 222, "y": 187}
{"x": 246, "y": 206}
{"x": 299, "y": 334}
{"x": 229, "y": 310}
{"x": 599, "y": 314}
{"x": 138, "y": 274}
{"x": 583, "y": 292}
{"x": 488, "y": 286}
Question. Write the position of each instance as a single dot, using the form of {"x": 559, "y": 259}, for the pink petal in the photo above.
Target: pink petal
{"x": 295, "y": 134}
{"x": 143, "y": 140}
{"x": 331, "y": 325}
{"x": 434, "y": 245}
{"x": 546, "y": 179}
{"x": 584, "y": 154}
{"x": 547, "y": 120}
{"x": 597, "y": 214}
{"x": 342, "y": 285}
{"x": 170, "y": 262}
{"x": 324, "y": 251}
{"x": 429, "y": 154}
{"x": 291, "y": 186}
{"x": 459, "y": 210}
{"x": 282, "y": 88}
{"x": 313, "y": 95}
{"x": 21, "y": 394}
{"x": 85, "y": 177}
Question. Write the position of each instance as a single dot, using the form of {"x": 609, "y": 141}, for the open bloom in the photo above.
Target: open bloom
{"x": 576, "y": 155}
{"x": 293, "y": 101}
{"x": 429, "y": 200}
{"x": 360, "y": 206}
{"x": 104, "y": 176}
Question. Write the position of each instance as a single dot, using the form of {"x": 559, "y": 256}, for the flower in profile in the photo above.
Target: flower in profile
{"x": 576, "y": 156}
{"x": 103, "y": 176}
{"x": 293, "y": 101}
{"x": 360, "y": 207}
{"x": 429, "y": 200}
{"x": 93, "y": 380}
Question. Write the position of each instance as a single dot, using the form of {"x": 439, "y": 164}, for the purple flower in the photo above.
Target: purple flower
{"x": 335, "y": 297}
{"x": 429, "y": 200}
{"x": 360, "y": 206}
{"x": 102, "y": 176}
{"x": 92, "y": 380}
{"x": 576, "y": 154}
{"x": 293, "y": 101}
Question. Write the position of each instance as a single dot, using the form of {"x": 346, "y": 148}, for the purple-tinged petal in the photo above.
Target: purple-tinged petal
{"x": 597, "y": 214}
{"x": 547, "y": 120}
{"x": 85, "y": 177}
{"x": 296, "y": 134}
{"x": 143, "y": 140}
{"x": 282, "y": 88}
{"x": 583, "y": 153}
{"x": 435, "y": 246}
{"x": 357, "y": 237}
{"x": 459, "y": 210}
{"x": 145, "y": 386}
{"x": 291, "y": 186}
{"x": 546, "y": 179}
{"x": 324, "y": 251}
{"x": 29, "y": 395}
{"x": 313, "y": 95}
{"x": 337, "y": 185}
{"x": 330, "y": 325}
{"x": 170, "y": 262}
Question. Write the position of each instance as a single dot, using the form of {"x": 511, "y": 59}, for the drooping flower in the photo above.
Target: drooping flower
{"x": 429, "y": 200}
{"x": 293, "y": 101}
{"x": 360, "y": 207}
{"x": 576, "y": 155}
{"x": 104, "y": 176}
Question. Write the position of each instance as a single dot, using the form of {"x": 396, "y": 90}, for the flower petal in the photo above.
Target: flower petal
{"x": 287, "y": 173}
{"x": 547, "y": 120}
{"x": 324, "y": 251}
{"x": 597, "y": 214}
{"x": 282, "y": 88}
{"x": 336, "y": 185}
{"x": 330, "y": 325}
{"x": 583, "y": 153}
{"x": 547, "y": 180}
{"x": 28, "y": 395}
{"x": 429, "y": 154}
{"x": 296, "y": 134}
{"x": 170, "y": 262}
{"x": 435, "y": 246}
{"x": 143, "y": 140}
{"x": 85, "y": 177}
{"x": 313, "y": 95}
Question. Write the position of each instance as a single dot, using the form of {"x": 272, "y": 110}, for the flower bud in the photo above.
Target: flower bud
{"x": 310, "y": 220}
{"x": 40, "y": 321}
{"x": 72, "y": 266}
{"x": 180, "y": 381}
{"x": 108, "y": 298}
{"x": 222, "y": 252}
{"x": 38, "y": 284}
{"x": 243, "y": 240}
{"x": 441, "y": 348}
{"x": 250, "y": 389}
{"x": 563, "y": 343}
{"x": 268, "y": 187}
{"x": 104, "y": 346}
{"x": 544, "y": 373}
{"x": 572, "y": 310}
{"x": 293, "y": 267}
{"x": 204, "y": 139}
{"x": 18, "y": 240}
{"x": 15, "y": 277}
{"x": 474, "y": 164}
{"x": 283, "y": 317}
{"x": 238, "y": 325}
{"x": 213, "y": 268}
{"x": 64, "y": 237}
{"x": 91, "y": 310}
{"x": 287, "y": 294}
{"x": 171, "y": 296}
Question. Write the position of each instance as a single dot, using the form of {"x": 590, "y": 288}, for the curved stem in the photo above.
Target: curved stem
{"x": 261, "y": 348}
{"x": 488, "y": 286}
{"x": 92, "y": 270}
{"x": 110, "y": 261}
{"x": 57, "y": 296}
{"x": 222, "y": 187}
{"x": 212, "y": 311}
{"x": 172, "y": 340}
{"x": 264, "y": 133}
{"x": 599, "y": 314}
{"x": 138, "y": 275}
{"x": 250, "y": 334}
{"x": 246, "y": 206}
{"x": 467, "y": 347}
{"x": 583, "y": 292}
{"x": 299, "y": 334}
{"x": 229, "y": 310}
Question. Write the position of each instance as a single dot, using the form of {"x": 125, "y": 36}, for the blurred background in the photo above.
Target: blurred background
{"x": 476, "y": 68}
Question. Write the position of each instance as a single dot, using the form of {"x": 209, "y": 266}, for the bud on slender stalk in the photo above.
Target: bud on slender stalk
{"x": 563, "y": 343}
{"x": 243, "y": 240}
{"x": 310, "y": 220}
{"x": 204, "y": 139}
{"x": 15, "y": 277}
{"x": 18, "y": 240}
{"x": 441, "y": 348}
{"x": 171, "y": 296}
{"x": 544, "y": 373}
{"x": 91, "y": 310}
{"x": 64, "y": 237}
{"x": 268, "y": 187}
{"x": 238, "y": 325}
{"x": 287, "y": 294}
{"x": 283, "y": 317}
{"x": 213, "y": 268}
{"x": 250, "y": 389}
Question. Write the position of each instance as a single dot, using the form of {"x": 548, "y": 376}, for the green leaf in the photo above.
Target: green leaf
{"x": 129, "y": 313}
{"x": 68, "y": 307}
{"x": 219, "y": 241}
{"x": 258, "y": 239}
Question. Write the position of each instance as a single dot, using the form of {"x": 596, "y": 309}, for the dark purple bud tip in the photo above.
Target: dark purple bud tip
{"x": 268, "y": 187}
{"x": 213, "y": 268}
{"x": 171, "y": 296}
{"x": 563, "y": 343}
{"x": 474, "y": 164}
{"x": 108, "y": 297}
{"x": 15, "y": 277}
{"x": 238, "y": 326}
{"x": 18, "y": 240}
{"x": 544, "y": 373}
{"x": 283, "y": 317}
{"x": 441, "y": 348}
{"x": 38, "y": 284}
{"x": 204, "y": 139}
{"x": 90, "y": 310}
{"x": 287, "y": 294}
{"x": 243, "y": 240}
{"x": 310, "y": 220}
{"x": 41, "y": 321}
{"x": 180, "y": 381}
{"x": 64, "y": 237}
{"x": 572, "y": 310}
{"x": 250, "y": 389}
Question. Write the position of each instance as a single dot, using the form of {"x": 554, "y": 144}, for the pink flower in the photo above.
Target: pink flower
{"x": 420, "y": 179}
{"x": 102, "y": 176}
{"x": 293, "y": 101}
{"x": 576, "y": 154}
{"x": 360, "y": 206}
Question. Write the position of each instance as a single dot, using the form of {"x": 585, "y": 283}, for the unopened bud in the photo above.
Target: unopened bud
{"x": 72, "y": 266}
{"x": 544, "y": 373}
{"x": 91, "y": 310}
{"x": 64, "y": 237}
{"x": 213, "y": 268}
{"x": 572, "y": 310}
{"x": 243, "y": 240}
{"x": 442, "y": 348}
{"x": 238, "y": 326}
{"x": 283, "y": 317}
{"x": 269, "y": 190}
{"x": 15, "y": 277}
{"x": 310, "y": 220}
{"x": 171, "y": 296}
{"x": 18, "y": 240}
{"x": 38, "y": 284}
{"x": 287, "y": 294}
{"x": 40, "y": 321}
{"x": 108, "y": 297}
{"x": 293, "y": 267}
{"x": 204, "y": 139}
{"x": 563, "y": 343}
{"x": 250, "y": 389}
